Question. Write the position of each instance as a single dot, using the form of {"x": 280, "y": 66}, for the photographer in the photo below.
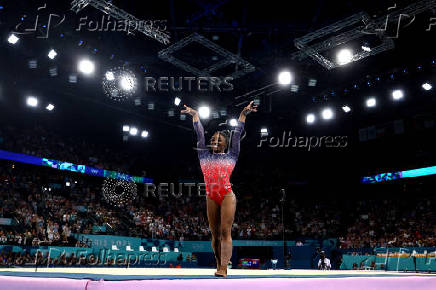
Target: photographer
{"x": 324, "y": 263}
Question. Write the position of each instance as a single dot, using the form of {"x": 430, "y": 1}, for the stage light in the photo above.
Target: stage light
{"x": 53, "y": 71}
{"x": 310, "y": 118}
{"x": 32, "y": 101}
{"x": 427, "y": 86}
{"x": 67, "y": 183}
{"x": 366, "y": 48}
{"x": 126, "y": 128}
{"x": 346, "y": 109}
{"x": 327, "y": 114}
{"x": 133, "y": 131}
{"x": 177, "y": 101}
{"x": 397, "y": 95}
{"x": 50, "y": 107}
{"x": 233, "y": 122}
{"x": 204, "y": 112}
{"x": 72, "y": 78}
{"x": 13, "y": 39}
{"x": 52, "y": 54}
{"x": 263, "y": 132}
{"x": 144, "y": 134}
{"x": 312, "y": 83}
{"x": 285, "y": 78}
{"x": 86, "y": 66}
{"x": 127, "y": 83}
{"x": 344, "y": 56}
{"x": 110, "y": 76}
{"x": 371, "y": 102}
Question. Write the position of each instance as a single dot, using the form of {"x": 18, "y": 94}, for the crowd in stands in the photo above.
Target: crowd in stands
{"x": 391, "y": 223}
{"x": 43, "y": 143}
{"x": 45, "y": 211}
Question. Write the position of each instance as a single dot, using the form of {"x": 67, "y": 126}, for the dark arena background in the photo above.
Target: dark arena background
{"x": 121, "y": 123}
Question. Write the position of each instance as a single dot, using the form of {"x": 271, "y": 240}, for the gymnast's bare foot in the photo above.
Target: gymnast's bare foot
{"x": 222, "y": 272}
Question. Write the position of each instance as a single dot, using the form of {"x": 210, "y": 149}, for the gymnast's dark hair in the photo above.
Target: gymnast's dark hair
{"x": 225, "y": 134}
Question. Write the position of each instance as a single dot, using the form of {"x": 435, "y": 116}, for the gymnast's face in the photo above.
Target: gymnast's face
{"x": 218, "y": 143}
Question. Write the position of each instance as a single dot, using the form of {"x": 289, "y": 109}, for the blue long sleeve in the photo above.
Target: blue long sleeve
{"x": 236, "y": 138}
{"x": 199, "y": 130}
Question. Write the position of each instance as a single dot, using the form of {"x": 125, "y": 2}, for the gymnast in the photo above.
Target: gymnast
{"x": 217, "y": 167}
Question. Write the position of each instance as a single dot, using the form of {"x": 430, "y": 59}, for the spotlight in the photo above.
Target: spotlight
{"x": 50, "y": 107}
{"x": 327, "y": 114}
{"x": 427, "y": 86}
{"x": 371, "y": 102}
{"x": 110, "y": 76}
{"x": 233, "y": 122}
{"x": 126, "y": 128}
{"x": 127, "y": 83}
{"x": 177, "y": 101}
{"x": 263, "y": 132}
{"x": 312, "y": 83}
{"x": 86, "y": 66}
{"x": 32, "y": 101}
{"x": 32, "y": 64}
{"x": 52, "y": 54}
{"x": 144, "y": 134}
{"x": 285, "y": 78}
{"x": 310, "y": 118}
{"x": 397, "y": 95}
{"x": 67, "y": 183}
{"x": 13, "y": 39}
{"x": 344, "y": 56}
{"x": 72, "y": 78}
{"x": 204, "y": 112}
{"x": 366, "y": 48}
{"x": 133, "y": 131}
{"x": 346, "y": 109}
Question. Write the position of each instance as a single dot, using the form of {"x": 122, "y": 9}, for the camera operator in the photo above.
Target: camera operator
{"x": 324, "y": 263}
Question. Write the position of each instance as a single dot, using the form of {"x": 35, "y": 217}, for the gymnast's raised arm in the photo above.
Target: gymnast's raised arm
{"x": 201, "y": 144}
{"x": 235, "y": 147}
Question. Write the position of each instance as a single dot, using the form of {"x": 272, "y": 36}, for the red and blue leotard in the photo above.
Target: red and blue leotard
{"x": 217, "y": 168}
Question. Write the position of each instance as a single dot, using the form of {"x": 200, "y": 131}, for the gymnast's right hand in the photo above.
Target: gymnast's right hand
{"x": 190, "y": 111}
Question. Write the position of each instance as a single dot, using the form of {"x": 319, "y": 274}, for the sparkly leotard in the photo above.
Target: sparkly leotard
{"x": 217, "y": 168}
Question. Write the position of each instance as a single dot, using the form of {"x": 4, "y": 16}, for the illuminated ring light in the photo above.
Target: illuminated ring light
{"x": 119, "y": 192}
{"x": 119, "y": 84}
